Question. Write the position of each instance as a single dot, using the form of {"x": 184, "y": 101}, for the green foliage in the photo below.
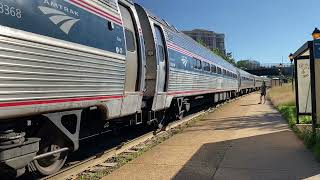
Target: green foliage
{"x": 248, "y": 64}
{"x": 228, "y": 56}
{"x": 243, "y": 64}
{"x": 311, "y": 140}
{"x": 200, "y": 41}
{"x": 288, "y": 112}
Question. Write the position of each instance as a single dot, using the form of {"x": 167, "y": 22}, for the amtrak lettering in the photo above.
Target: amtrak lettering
{"x": 61, "y": 7}
{"x": 58, "y": 17}
{"x": 66, "y": 21}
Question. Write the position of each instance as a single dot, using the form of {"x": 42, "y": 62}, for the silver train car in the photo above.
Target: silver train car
{"x": 258, "y": 81}
{"x": 72, "y": 69}
{"x": 246, "y": 82}
{"x": 179, "y": 69}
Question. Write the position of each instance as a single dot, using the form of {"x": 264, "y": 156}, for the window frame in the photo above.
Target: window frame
{"x": 219, "y": 70}
{"x": 213, "y": 69}
{"x": 206, "y": 66}
{"x": 224, "y": 72}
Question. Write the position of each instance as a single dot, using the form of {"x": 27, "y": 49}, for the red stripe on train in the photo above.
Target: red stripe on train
{"x": 181, "y": 49}
{"x": 189, "y": 92}
{"x": 186, "y": 52}
{"x": 54, "y": 101}
{"x": 96, "y": 10}
{"x": 183, "y": 52}
{"x": 198, "y": 91}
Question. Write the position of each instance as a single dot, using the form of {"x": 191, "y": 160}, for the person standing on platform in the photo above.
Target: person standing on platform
{"x": 263, "y": 93}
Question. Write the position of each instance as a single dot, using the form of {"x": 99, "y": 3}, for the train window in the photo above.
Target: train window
{"x": 160, "y": 43}
{"x": 219, "y": 70}
{"x": 206, "y": 66}
{"x": 213, "y": 69}
{"x": 161, "y": 53}
{"x": 194, "y": 64}
{"x": 130, "y": 41}
{"x": 199, "y": 65}
{"x": 224, "y": 72}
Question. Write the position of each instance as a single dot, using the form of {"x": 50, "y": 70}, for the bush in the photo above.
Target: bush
{"x": 289, "y": 113}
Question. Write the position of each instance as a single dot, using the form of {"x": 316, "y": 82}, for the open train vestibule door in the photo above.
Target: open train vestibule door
{"x": 161, "y": 58}
{"x": 159, "y": 101}
{"x": 132, "y": 100}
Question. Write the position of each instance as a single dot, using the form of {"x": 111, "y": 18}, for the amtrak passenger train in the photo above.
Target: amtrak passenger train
{"x": 74, "y": 68}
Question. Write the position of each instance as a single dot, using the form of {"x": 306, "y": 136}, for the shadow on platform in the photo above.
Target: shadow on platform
{"x": 267, "y": 156}
{"x": 274, "y": 123}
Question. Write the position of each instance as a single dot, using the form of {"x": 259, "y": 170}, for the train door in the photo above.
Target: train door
{"x": 131, "y": 102}
{"x": 159, "y": 101}
{"x": 132, "y": 53}
{"x": 161, "y": 58}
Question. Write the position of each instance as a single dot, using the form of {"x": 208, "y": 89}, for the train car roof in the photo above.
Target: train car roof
{"x": 186, "y": 42}
{"x": 244, "y": 73}
{"x": 129, "y": 1}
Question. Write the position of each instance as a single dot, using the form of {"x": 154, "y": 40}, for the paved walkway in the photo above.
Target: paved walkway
{"x": 242, "y": 140}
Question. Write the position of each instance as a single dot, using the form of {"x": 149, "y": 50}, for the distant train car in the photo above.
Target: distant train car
{"x": 179, "y": 69}
{"x": 258, "y": 81}
{"x": 246, "y": 82}
{"x": 267, "y": 81}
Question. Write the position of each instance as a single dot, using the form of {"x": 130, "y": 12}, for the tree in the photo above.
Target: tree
{"x": 228, "y": 56}
{"x": 248, "y": 64}
{"x": 200, "y": 41}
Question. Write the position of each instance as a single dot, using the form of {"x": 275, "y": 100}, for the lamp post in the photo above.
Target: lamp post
{"x": 280, "y": 74}
{"x": 292, "y": 69}
{"x": 316, "y": 33}
{"x": 316, "y": 36}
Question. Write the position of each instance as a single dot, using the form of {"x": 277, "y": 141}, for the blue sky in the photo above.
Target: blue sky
{"x": 264, "y": 30}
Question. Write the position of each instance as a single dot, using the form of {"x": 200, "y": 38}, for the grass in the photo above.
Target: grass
{"x": 283, "y": 99}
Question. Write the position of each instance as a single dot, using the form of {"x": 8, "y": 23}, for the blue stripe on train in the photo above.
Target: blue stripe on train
{"x": 184, "y": 62}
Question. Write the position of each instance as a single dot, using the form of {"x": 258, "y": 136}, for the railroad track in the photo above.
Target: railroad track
{"x": 72, "y": 171}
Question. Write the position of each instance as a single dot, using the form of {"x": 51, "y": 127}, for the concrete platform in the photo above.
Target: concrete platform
{"x": 242, "y": 140}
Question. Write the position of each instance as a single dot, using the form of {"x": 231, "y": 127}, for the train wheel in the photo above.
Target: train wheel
{"x": 50, "y": 141}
